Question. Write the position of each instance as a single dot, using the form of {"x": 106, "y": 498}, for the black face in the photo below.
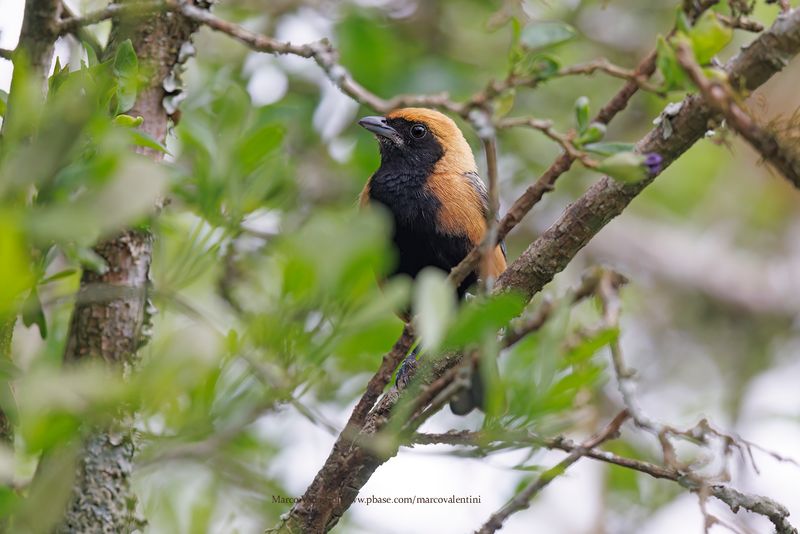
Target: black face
{"x": 409, "y": 153}
{"x": 404, "y": 142}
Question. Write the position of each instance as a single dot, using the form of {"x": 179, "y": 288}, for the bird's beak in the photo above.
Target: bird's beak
{"x": 378, "y": 126}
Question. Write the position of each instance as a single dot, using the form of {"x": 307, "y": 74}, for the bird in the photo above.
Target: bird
{"x": 428, "y": 182}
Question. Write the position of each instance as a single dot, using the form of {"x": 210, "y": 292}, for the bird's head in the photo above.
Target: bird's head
{"x": 423, "y": 138}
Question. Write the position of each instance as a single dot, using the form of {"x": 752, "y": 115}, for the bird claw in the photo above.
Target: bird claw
{"x": 407, "y": 370}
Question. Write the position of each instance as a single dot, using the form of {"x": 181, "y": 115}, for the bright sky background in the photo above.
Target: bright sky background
{"x": 572, "y": 504}
{"x": 10, "y": 23}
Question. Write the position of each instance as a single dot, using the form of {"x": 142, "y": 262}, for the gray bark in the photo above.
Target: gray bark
{"x": 111, "y": 329}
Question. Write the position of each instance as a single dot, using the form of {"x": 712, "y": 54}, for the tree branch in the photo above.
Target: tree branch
{"x": 347, "y": 469}
{"x": 38, "y": 36}
{"x": 546, "y": 182}
{"x": 551, "y": 252}
{"x": 735, "y": 499}
{"x": 723, "y": 100}
{"x": 71, "y": 23}
{"x": 488, "y": 137}
{"x": 522, "y": 500}
{"x": 81, "y": 32}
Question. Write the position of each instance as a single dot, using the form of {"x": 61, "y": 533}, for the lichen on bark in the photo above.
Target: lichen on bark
{"x": 110, "y": 315}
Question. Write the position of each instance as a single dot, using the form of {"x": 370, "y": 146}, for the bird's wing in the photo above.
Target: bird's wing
{"x": 483, "y": 193}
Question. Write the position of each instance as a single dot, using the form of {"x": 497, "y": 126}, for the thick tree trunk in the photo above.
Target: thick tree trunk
{"x": 108, "y": 328}
{"x": 111, "y": 328}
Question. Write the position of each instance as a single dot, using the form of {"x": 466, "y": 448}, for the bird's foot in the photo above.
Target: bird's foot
{"x": 407, "y": 370}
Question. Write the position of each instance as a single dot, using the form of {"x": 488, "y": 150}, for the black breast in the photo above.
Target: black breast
{"x": 416, "y": 236}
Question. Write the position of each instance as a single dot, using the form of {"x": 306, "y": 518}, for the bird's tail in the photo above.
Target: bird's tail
{"x": 469, "y": 398}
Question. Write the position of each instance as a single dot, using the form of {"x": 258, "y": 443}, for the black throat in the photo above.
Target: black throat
{"x": 400, "y": 181}
{"x": 400, "y": 184}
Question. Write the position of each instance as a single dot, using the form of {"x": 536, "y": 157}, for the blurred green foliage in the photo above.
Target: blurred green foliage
{"x": 264, "y": 272}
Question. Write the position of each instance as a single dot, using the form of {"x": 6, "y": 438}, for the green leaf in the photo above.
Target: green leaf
{"x": 669, "y": 67}
{"x": 594, "y": 132}
{"x": 58, "y": 276}
{"x": 257, "y": 146}
{"x": 588, "y": 346}
{"x": 582, "y": 113}
{"x": 32, "y": 313}
{"x": 87, "y": 258}
{"x": 59, "y": 76}
{"x": 9, "y": 499}
{"x": 142, "y": 139}
{"x": 15, "y": 261}
{"x": 539, "y": 35}
{"x": 435, "y": 305}
{"x": 504, "y": 104}
{"x": 3, "y": 102}
{"x": 127, "y": 121}
{"x": 610, "y": 148}
{"x": 478, "y": 317}
{"x": 709, "y": 36}
{"x": 625, "y": 167}
{"x": 125, "y": 62}
{"x": 91, "y": 54}
{"x": 126, "y": 69}
{"x": 682, "y": 23}
{"x": 540, "y": 66}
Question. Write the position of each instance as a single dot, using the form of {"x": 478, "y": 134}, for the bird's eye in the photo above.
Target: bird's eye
{"x": 418, "y": 131}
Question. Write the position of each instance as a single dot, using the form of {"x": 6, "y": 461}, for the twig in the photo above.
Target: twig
{"x": 609, "y": 297}
{"x": 611, "y": 310}
{"x": 741, "y": 23}
{"x": 322, "y": 52}
{"x": 735, "y": 499}
{"x": 590, "y": 281}
{"x": 348, "y": 468}
{"x": 546, "y": 182}
{"x": 522, "y": 500}
{"x": 81, "y": 32}
{"x": 604, "y": 65}
{"x": 580, "y": 222}
{"x": 72, "y": 23}
{"x": 546, "y": 127}
{"x": 489, "y": 140}
{"x": 722, "y": 99}
{"x": 6, "y": 53}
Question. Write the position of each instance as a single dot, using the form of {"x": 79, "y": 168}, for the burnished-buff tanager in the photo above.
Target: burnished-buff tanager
{"x": 428, "y": 182}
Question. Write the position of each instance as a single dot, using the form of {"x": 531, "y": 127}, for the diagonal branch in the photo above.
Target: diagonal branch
{"x": 606, "y": 199}
{"x": 81, "y": 32}
{"x": 546, "y": 182}
{"x": 723, "y": 100}
{"x": 347, "y": 469}
{"x": 522, "y": 500}
{"x": 758, "y": 504}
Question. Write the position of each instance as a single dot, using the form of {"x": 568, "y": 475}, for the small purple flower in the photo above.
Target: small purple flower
{"x": 653, "y": 163}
